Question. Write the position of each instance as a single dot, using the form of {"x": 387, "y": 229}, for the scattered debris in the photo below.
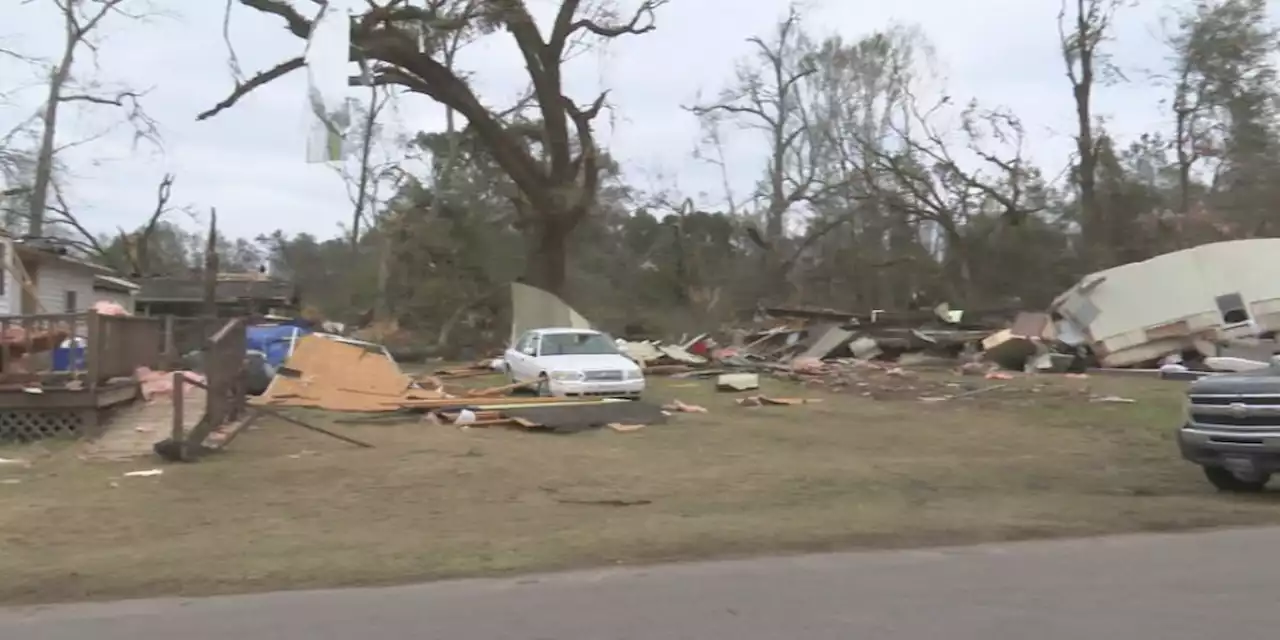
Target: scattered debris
{"x": 762, "y": 401}
{"x": 605, "y": 503}
{"x": 677, "y": 406}
{"x": 149, "y": 473}
{"x": 160, "y": 383}
{"x": 738, "y": 381}
{"x": 625, "y": 428}
{"x": 1112, "y": 399}
{"x": 1234, "y": 365}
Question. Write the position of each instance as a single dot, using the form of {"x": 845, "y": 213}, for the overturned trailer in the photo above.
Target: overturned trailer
{"x": 1194, "y": 299}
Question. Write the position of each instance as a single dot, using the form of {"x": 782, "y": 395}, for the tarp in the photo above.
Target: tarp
{"x": 273, "y": 341}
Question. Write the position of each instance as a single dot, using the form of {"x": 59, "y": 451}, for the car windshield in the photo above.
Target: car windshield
{"x": 576, "y": 344}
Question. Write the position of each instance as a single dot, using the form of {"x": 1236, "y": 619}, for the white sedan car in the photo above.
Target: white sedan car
{"x": 573, "y": 362}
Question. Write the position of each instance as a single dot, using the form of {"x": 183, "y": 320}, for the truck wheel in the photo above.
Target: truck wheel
{"x": 1229, "y": 482}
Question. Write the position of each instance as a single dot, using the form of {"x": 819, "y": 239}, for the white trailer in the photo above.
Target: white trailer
{"x": 1190, "y": 299}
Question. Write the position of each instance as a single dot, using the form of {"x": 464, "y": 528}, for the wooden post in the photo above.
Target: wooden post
{"x": 177, "y": 435}
{"x": 93, "y": 349}
{"x": 211, "y": 266}
{"x": 170, "y": 357}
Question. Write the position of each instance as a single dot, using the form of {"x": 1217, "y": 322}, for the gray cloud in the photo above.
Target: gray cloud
{"x": 249, "y": 161}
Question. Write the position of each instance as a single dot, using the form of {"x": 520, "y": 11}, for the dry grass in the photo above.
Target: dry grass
{"x": 288, "y": 508}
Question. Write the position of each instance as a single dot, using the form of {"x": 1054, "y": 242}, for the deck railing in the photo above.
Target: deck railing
{"x": 87, "y": 346}
{"x": 224, "y": 385}
{"x": 118, "y": 345}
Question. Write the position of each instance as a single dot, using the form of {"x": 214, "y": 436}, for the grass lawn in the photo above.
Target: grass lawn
{"x": 287, "y": 508}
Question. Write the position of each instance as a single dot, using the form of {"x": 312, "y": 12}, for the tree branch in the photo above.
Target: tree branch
{"x": 644, "y": 14}
{"x": 117, "y": 101}
{"x": 243, "y": 89}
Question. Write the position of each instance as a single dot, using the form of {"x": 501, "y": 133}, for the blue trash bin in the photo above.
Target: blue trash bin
{"x": 69, "y": 356}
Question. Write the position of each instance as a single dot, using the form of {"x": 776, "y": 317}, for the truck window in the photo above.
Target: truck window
{"x": 1232, "y": 308}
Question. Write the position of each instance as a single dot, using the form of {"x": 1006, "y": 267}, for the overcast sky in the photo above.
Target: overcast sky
{"x": 249, "y": 162}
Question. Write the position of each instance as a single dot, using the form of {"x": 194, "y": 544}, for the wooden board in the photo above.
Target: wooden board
{"x": 333, "y": 375}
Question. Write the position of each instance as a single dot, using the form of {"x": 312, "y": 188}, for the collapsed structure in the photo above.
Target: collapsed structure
{"x": 1192, "y": 306}
{"x": 1195, "y": 300}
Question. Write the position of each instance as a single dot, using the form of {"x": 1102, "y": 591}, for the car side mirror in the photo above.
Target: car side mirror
{"x": 528, "y": 351}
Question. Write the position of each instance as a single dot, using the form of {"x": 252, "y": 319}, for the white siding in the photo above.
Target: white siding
{"x": 55, "y": 279}
{"x": 123, "y": 299}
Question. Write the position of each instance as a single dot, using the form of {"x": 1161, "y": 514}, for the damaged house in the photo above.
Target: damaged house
{"x": 236, "y": 294}
{"x": 43, "y": 278}
{"x": 1194, "y": 299}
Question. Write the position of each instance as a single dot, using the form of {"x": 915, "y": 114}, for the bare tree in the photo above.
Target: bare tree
{"x": 363, "y": 182}
{"x": 929, "y": 182}
{"x": 862, "y": 96}
{"x": 136, "y": 245}
{"x": 1083, "y": 27}
{"x": 80, "y": 20}
{"x": 401, "y": 41}
{"x": 768, "y": 96}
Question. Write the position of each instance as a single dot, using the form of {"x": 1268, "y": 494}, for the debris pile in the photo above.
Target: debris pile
{"x": 813, "y": 342}
{"x": 340, "y": 376}
{"x": 989, "y": 343}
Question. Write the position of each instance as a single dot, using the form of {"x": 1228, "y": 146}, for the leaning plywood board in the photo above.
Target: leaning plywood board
{"x": 332, "y": 375}
{"x": 533, "y": 308}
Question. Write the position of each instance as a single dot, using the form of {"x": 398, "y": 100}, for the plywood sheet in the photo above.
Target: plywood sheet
{"x": 533, "y": 308}
{"x": 337, "y": 376}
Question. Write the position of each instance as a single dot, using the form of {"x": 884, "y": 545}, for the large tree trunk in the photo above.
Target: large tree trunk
{"x": 547, "y": 263}
{"x": 44, "y": 159}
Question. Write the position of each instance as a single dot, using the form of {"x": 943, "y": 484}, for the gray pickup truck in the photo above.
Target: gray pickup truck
{"x": 1232, "y": 428}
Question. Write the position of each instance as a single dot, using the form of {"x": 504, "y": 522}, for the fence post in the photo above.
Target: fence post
{"x": 177, "y": 435}
{"x": 93, "y": 349}
{"x": 170, "y": 358}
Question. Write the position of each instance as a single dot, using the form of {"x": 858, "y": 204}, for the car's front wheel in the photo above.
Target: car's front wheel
{"x": 1225, "y": 480}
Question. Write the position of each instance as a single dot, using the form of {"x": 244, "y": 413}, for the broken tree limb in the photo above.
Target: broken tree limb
{"x": 258, "y": 80}
{"x": 294, "y": 421}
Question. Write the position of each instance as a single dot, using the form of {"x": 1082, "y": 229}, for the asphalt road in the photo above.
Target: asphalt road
{"x": 1165, "y": 587}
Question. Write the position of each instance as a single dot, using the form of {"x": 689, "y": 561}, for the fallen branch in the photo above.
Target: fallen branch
{"x": 294, "y": 421}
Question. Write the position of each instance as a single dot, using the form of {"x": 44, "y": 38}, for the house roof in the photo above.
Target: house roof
{"x": 112, "y": 283}
{"x": 42, "y": 253}
{"x": 166, "y": 289}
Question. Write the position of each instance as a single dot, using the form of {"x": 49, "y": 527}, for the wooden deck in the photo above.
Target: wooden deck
{"x": 131, "y": 431}
{"x": 44, "y": 395}
{"x": 74, "y": 392}
{"x": 108, "y": 394}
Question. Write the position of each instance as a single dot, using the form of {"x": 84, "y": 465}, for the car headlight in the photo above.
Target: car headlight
{"x": 566, "y": 376}
{"x": 633, "y": 374}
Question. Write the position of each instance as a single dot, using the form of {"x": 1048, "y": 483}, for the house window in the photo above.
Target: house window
{"x": 1232, "y": 308}
{"x": 70, "y": 302}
